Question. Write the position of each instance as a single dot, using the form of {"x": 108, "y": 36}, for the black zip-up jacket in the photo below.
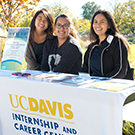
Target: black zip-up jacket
{"x": 114, "y": 58}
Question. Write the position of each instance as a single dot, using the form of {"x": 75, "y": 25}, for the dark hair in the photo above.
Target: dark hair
{"x": 49, "y": 31}
{"x": 73, "y": 32}
{"x": 113, "y": 30}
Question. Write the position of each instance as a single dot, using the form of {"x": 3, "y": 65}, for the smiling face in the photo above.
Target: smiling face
{"x": 100, "y": 26}
{"x": 41, "y": 23}
{"x": 62, "y": 28}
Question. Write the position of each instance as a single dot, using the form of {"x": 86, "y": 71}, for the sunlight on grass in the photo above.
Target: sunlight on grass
{"x": 132, "y": 57}
{"x": 24, "y": 65}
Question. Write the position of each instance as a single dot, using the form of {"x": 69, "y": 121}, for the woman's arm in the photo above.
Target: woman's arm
{"x": 120, "y": 57}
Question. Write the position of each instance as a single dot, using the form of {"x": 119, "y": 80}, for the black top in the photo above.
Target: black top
{"x": 114, "y": 58}
{"x": 95, "y": 60}
{"x": 33, "y": 55}
{"x": 38, "y": 49}
{"x": 66, "y": 59}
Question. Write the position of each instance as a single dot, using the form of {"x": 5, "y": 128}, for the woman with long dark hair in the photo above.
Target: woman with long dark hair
{"x": 42, "y": 28}
{"x": 107, "y": 55}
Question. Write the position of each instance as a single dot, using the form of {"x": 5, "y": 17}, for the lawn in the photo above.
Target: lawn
{"x": 132, "y": 57}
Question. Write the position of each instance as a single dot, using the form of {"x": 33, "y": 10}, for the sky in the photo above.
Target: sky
{"x": 75, "y": 5}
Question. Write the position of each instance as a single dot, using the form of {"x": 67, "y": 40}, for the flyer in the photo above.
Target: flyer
{"x": 113, "y": 85}
{"x": 15, "y": 48}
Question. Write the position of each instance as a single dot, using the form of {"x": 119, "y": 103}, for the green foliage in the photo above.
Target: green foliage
{"x": 88, "y": 9}
{"x": 58, "y": 8}
{"x": 127, "y": 128}
{"x": 12, "y": 11}
{"x": 124, "y": 15}
{"x": 24, "y": 23}
{"x": 131, "y": 39}
{"x": 82, "y": 26}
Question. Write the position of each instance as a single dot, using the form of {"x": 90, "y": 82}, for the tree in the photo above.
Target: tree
{"x": 58, "y": 8}
{"x": 82, "y": 26}
{"x": 26, "y": 21}
{"x": 88, "y": 9}
{"x": 119, "y": 15}
{"x": 124, "y": 15}
{"x": 11, "y": 11}
{"x": 130, "y": 15}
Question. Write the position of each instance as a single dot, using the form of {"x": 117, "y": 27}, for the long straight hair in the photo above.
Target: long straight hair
{"x": 49, "y": 31}
{"x": 113, "y": 30}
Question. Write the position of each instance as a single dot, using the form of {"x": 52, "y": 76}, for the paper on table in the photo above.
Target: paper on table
{"x": 51, "y": 77}
{"x": 77, "y": 81}
{"x": 112, "y": 85}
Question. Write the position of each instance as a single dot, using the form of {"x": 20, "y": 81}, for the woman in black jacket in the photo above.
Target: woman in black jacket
{"x": 63, "y": 53}
{"x": 107, "y": 55}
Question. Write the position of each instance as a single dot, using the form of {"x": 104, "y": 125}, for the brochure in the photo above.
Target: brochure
{"x": 77, "y": 80}
{"x": 113, "y": 85}
{"x": 15, "y": 48}
{"x": 51, "y": 77}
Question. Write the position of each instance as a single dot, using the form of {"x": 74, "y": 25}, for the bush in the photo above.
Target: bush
{"x": 131, "y": 39}
{"x": 128, "y": 128}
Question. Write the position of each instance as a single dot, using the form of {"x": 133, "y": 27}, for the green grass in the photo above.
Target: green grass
{"x": 132, "y": 57}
